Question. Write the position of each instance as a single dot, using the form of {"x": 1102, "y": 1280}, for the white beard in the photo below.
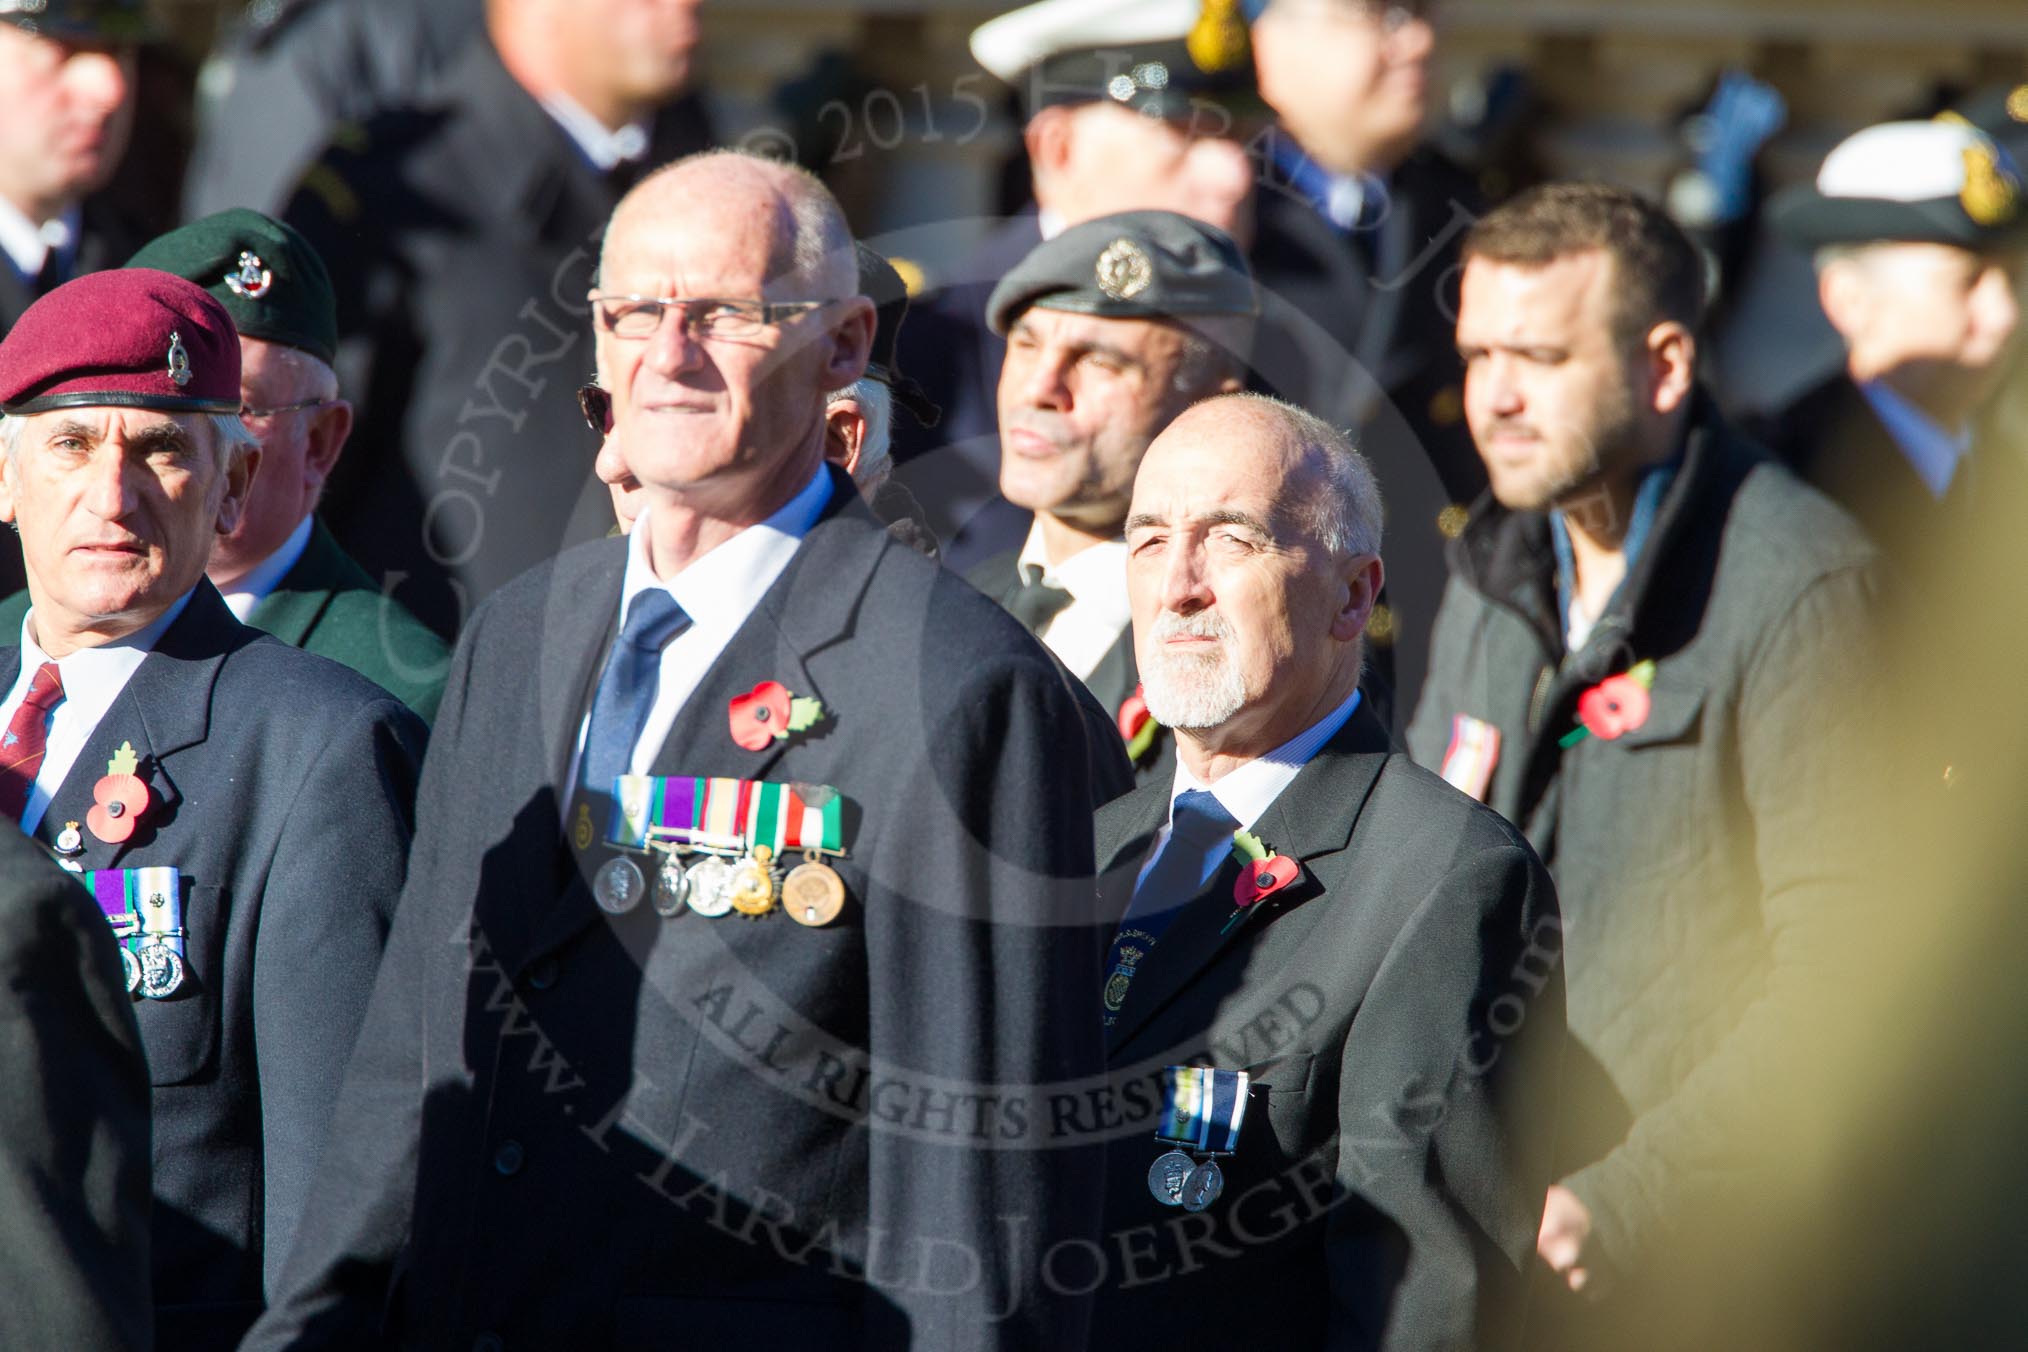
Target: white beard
{"x": 1191, "y": 692}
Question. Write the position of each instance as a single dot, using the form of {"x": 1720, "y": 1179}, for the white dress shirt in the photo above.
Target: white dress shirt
{"x": 1933, "y": 452}
{"x": 1248, "y": 791}
{"x": 266, "y": 575}
{"x": 28, "y": 245}
{"x": 1084, "y": 631}
{"x": 606, "y": 148}
{"x": 92, "y": 679}
{"x": 718, "y": 592}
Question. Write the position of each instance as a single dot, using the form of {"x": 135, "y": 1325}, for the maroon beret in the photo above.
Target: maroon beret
{"x": 129, "y": 338}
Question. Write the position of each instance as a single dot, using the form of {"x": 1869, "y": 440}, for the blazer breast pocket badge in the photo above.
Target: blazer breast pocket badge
{"x": 145, "y": 908}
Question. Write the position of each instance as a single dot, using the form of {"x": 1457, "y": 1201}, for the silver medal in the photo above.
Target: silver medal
{"x": 132, "y": 968}
{"x": 1202, "y": 1187}
{"x": 710, "y": 881}
{"x": 161, "y": 971}
{"x": 1166, "y": 1177}
{"x": 617, "y": 887}
{"x": 672, "y": 887}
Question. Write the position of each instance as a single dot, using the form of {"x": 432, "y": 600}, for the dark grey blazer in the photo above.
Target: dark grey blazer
{"x": 284, "y": 792}
{"x": 569, "y": 1129}
{"x": 1400, "y": 1008}
{"x": 73, "y": 1121}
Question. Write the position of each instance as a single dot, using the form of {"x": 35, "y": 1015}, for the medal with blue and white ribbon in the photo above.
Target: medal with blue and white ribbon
{"x": 145, "y": 908}
{"x": 1202, "y": 1109}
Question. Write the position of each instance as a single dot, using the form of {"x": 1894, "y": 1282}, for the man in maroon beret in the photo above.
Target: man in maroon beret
{"x": 241, "y": 809}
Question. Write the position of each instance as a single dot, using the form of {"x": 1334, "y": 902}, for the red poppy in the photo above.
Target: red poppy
{"x": 1263, "y": 878}
{"x": 118, "y": 802}
{"x": 760, "y": 716}
{"x": 1614, "y": 706}
{"x": 1133, "y": 714}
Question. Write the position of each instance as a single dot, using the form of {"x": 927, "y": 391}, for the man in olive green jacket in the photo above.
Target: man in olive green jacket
{"x": 280, "y": 569}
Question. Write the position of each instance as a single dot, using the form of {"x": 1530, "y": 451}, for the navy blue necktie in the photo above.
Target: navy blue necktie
{"x": 1200, "y": 836}
{"x": 627, "y": 689}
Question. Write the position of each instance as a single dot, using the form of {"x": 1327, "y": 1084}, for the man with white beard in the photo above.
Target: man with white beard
{"x": 1386, "y": 1187}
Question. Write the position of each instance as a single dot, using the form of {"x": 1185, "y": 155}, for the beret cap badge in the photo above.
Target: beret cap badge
{"x": 179, "y": 361}
{"x": 1124, "y": 269}
{"x": 253, "y": 280}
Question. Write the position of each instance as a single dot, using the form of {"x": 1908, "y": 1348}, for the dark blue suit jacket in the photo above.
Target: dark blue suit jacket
{"x": 283, "y": 790}
{"x": 569, "y": 1129}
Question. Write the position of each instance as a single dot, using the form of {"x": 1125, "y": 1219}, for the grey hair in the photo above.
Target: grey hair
{"x": 817, "y": 256}
{"x": 876, "y": 403}
{"x": 1347, "y": 515}
{"x": 228, "y": 434}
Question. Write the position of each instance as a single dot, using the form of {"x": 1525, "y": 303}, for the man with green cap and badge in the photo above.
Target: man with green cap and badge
{"x": 1919, "y": 233}
{"x": 280, "y": 570}
{"x": 1113, "y": 328}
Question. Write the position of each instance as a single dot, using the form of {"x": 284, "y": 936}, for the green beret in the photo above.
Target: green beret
{"x": 1130, "y": 265}
{"x": 266, "y": 276}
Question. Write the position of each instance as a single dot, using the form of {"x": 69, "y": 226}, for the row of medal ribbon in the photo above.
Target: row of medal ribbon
{"x": 721, "y": 843}
{"x": 145, "y": 908}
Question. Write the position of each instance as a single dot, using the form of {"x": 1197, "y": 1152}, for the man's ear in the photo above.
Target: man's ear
{"x": 1047, "y": 137}
{"x": 1672, "y": 365}
{"x": 329, "y": 430}
{"x": 844, "y": 434}
{"x": 851, "y": 344}
{"x": 9, "y": 476}
{"x": 239, "y": 478}
{"x": 1363, "y": 575}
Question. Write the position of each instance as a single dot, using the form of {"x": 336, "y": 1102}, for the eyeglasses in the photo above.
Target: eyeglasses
{"x": 248, "y": 413}
{"x": 641, "y": 316}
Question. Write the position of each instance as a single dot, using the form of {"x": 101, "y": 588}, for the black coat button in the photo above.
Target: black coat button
{"x": 488, "y": 1342}
{"x": 508, "y": 1159}
{"x": 543, "y": 974}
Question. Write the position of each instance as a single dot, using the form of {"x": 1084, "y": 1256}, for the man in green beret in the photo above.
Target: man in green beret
{"x": 280, "y": 570}
{"x": 1113, "y": 328}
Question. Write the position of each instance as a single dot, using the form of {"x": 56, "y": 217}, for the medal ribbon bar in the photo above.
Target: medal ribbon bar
{"x": 1200, "y": 1105}
{"x": 721, "y": 814}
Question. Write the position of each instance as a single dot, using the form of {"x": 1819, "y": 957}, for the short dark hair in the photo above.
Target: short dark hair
{"x": 1658, "y": 274}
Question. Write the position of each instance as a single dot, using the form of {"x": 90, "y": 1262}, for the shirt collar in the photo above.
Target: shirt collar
{"x": 29, "y": 245}
{"x": 1933, "y": 452}
{"x": 1348, "y": 201}
{"x": 1095, "y": 573}
{"x": 606, "y": 148}
{"x": 1648, "y": 495}
{"x": 719, "y": 590}
{"x": 266, "y": 575}
{"x": 1250, "y": 790}
{"x": 108, "y": 662}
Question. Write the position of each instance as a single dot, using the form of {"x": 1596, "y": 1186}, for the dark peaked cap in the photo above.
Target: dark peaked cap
{"x": 1129, "y": 265}
{"x": 1937, "y": 182}
{"x": 1159, "y": 57}
{"x": 266, "y": 276}
{"x": 881, "y": 284}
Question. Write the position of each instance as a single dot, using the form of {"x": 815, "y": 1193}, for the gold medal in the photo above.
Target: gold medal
{"x": 813, "y": 894}
{"x": 753, "y": 883}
